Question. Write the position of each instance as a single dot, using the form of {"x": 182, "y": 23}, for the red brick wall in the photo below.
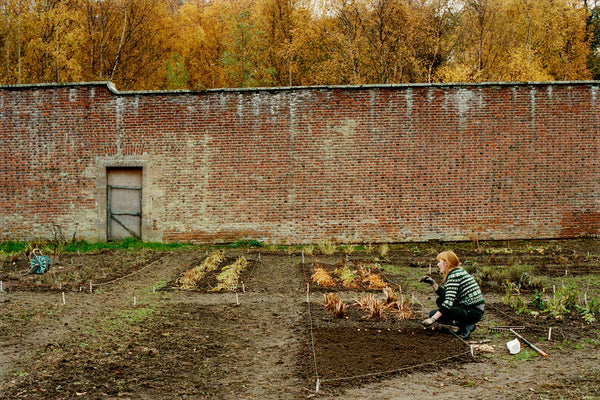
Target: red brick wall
{"x": 354, "y": 164}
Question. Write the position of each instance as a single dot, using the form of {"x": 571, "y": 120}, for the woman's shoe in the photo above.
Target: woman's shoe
{"x": 466, "y": 332}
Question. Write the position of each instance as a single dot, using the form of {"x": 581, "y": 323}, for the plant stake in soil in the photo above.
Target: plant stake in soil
{"x": 542, "y": 353}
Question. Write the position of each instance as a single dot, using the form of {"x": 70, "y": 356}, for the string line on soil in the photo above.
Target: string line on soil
{"x": 131, "y": 274}
{"x": 310, "y": 324}
{"x": 371, "y": 374}
{"x": 312, "y": 343}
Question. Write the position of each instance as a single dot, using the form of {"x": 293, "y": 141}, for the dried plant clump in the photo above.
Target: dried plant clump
{"x": 372, "y": 306}
{"x": 364, "y": 300}
{"x": 339, "y": 309}
{"x": 229, "y": 277}
{"x": 331, "y": 299}
{"x": 374, "y": 280}
{"x": 322, "y": 277}
{"x": 375, "y": 309}
{"x": 194, "y": 276}
{"x": 390, "y": 295}
{"x": 401, "y": 309}
{"x": 335, "y": 304}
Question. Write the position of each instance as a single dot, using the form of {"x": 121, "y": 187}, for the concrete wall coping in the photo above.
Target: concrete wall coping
{"x": 112, "y": 88}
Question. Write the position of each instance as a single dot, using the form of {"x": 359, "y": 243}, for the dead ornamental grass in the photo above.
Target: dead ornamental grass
{"x": 194, "y": 276}
{"x": 230, "y": 276}
{"x": 322, "y": 277}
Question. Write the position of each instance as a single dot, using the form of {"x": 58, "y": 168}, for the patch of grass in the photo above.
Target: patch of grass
{"x": 133, "y": 316}
{"x": 125, "y": 244}
{"x": 245, "y": 243}
{"x": 13, "y": 247}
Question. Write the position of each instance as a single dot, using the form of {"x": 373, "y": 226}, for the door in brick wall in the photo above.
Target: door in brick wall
{"x": 124, "y": 208}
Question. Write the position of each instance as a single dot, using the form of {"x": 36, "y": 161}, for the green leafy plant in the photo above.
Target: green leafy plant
{"x": 589, "y": 309}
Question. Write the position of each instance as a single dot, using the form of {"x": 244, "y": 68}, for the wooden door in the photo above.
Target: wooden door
{"x": 124, "y": 208}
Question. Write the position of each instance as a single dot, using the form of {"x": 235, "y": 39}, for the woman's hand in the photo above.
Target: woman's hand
{"x": 427, "y": 279}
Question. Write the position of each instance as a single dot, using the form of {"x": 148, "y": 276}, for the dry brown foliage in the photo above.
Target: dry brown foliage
{"x": 374, "y": 280}
{"x": 375, "y": 309}
{"x": 390, "y": 295}
{"x": 331, "y": 299}
{"x": 401, "y": 309}
{"x": 335, "y": 304}
{"x": 339, "y": 309}
{"x": 364, "y": 300}
{"x": 322, "y": 277}
{"x": 194, "y": 276}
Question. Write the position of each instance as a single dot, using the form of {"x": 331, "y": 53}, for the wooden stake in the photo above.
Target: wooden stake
{"x": 429, "y": 268}
{"x": 307, "y": 291}
{"x": 549, "y": 333}
{"x": 237, "y": 299}
{"x": 243, "y": 288}
{"x": 1, "y": 287}
{"x": 63, "y": 298}
{"x": 91, "y": 287}
{"x": 302, "y": 257}
{"x": 134, "y": 301}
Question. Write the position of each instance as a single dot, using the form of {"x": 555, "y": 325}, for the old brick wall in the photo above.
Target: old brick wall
{"x": 354, "y": 164}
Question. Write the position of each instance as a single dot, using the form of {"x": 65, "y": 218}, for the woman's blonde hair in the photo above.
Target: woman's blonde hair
{"x": 451, "y": 259}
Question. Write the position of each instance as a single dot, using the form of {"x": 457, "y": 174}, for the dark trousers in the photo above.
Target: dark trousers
{"x": 457, "y": 315}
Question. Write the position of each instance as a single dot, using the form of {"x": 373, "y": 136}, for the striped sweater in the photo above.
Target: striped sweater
{"x": 460, "y": 290}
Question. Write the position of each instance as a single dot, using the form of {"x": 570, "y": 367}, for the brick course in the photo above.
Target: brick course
{"x": 353, "y": 164}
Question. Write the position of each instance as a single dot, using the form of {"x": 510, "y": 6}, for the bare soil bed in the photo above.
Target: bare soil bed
{"x": 136, "y": 334}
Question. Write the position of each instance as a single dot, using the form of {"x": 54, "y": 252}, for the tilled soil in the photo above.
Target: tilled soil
{"x": 135, "y": 336}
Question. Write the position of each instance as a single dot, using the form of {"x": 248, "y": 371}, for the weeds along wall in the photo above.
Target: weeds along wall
{"x": 299, "y": 165}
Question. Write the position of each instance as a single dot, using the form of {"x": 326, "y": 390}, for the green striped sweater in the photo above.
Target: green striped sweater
{"x": 460, "y": 290}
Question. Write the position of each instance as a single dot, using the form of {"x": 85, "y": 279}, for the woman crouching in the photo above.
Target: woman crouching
{"x": 460, "y": 301}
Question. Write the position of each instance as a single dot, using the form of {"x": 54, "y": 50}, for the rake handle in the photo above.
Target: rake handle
{"x": 541, "y": 352}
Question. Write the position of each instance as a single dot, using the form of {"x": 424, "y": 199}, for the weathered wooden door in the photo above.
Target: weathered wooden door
{"x": 124, "y": 208}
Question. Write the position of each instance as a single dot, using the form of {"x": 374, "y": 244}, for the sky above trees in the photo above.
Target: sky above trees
{"x": 170, "y": 44}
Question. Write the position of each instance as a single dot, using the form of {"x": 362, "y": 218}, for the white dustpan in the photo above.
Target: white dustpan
{"x": 514, "y": 346}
